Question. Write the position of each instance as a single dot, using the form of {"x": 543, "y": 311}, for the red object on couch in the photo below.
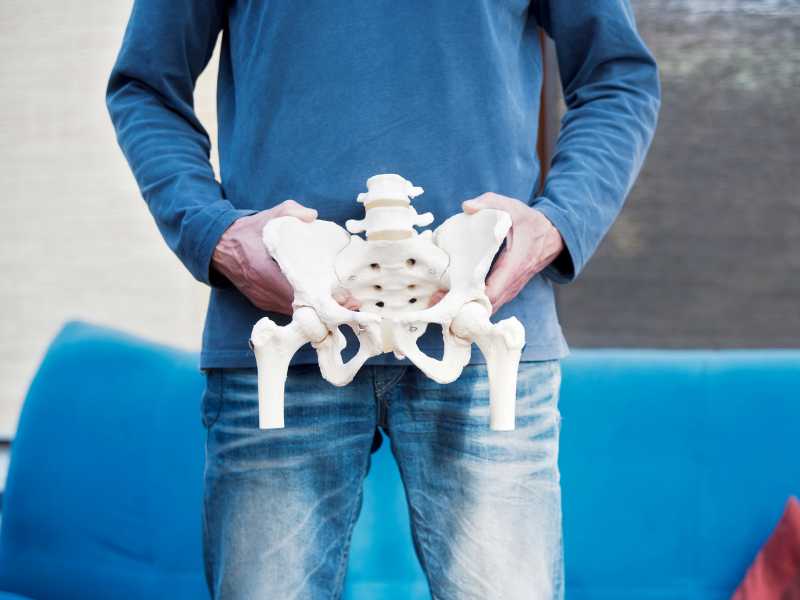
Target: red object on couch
{"x": 775, "y": 573}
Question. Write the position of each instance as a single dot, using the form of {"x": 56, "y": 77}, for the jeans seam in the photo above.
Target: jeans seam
{"x": 558, "y": 563}
{"x": 220, "y": 387}
{"x": 381, "y": 391}
{"x": 383, "y": 387}
{"x": 416, "y": 531}
{"x": 209, "y": 560}
{"x": 339, "y": 583}
{"x": 213, "y": 390}
{"x": 381, "y": 419}
{"x": 423, "y": 548}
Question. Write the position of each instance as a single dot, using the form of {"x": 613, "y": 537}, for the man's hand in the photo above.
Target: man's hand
{"x": 241, "y": 256}
{"x": 532, "y": 243}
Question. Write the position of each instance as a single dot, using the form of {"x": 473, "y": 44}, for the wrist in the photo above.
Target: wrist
{"x": 225, "y": 258}
{"x": 554, "y": 242}
{"x": 210, "y": 255}
{"x": 551, "y": 244}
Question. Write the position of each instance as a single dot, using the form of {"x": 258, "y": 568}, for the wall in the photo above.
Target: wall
{"x": 705, "y": 253}
{"x": 77, "y": 239}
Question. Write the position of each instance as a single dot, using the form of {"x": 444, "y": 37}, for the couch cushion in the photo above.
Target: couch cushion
{"x": 104, "y": 488}
{"x": 675, "y": 466}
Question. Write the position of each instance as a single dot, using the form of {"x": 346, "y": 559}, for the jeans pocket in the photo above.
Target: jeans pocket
{"x": 211, "y": 404}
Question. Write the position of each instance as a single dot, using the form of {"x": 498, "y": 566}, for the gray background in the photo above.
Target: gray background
{"x": 706, "y": 252}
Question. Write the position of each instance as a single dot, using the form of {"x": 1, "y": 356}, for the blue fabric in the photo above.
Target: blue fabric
{"x": 315, "y": 97}
{"x": 485, "y": 505}
{"x": 675, "y": 466}
{"x": 104, "y": 493}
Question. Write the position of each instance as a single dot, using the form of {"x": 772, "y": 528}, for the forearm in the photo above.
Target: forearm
{"x": 150, "y": 101}
{"x": 612, "y": 93}
{"x": 169, "y": 159}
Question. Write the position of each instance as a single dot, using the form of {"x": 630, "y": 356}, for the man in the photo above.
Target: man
{"x": 313, "y": 98}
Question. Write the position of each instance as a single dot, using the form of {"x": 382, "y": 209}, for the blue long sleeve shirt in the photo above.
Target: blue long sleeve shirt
{"x": 314, "y": 97}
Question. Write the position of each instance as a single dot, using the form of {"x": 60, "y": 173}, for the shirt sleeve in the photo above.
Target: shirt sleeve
{"x": 150, "y": 99}
{"x": 613, "y": 94}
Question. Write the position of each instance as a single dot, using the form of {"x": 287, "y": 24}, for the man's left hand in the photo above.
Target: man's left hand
{"x": 532, "y": 243}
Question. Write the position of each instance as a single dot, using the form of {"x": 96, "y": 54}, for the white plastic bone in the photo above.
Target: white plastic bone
{"x": 393, "y": 274}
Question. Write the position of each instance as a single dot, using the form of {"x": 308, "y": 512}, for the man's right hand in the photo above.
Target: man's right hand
{"x": 241, "y": 256}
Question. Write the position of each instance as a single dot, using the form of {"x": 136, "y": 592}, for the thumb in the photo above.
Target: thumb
{"x": 303, "y": 213}
{"x": 344, "y": 298}
{"x": 473, "y": 205}
{"x": 290, "y": 208}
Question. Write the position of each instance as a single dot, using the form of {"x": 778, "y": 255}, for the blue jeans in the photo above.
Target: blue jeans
{"x": 280, "y": 505}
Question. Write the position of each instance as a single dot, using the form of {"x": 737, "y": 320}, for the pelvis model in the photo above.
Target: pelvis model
{"x": 393, "y": 274}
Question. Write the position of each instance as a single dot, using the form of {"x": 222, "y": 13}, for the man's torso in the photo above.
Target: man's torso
{"x": 316, "y": 97}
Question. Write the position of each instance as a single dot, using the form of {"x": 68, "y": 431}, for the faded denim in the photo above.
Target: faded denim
{"x": 280, "y": 505}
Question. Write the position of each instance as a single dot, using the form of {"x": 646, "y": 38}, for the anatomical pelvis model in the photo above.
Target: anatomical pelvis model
{"x": 392, "y": 273}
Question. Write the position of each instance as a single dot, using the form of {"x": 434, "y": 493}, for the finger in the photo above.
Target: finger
{"x": 509, "y": 241}
{"x": 344, "y": 298}
{"x": 501, "y": 276}
{"x": 340, "y": 295}
{"x": 436, "y": 297}
{"x": 500, "y": 262}
{"x": 505, "y": 296}
{"x": 497, "y": 304}
{"x": 290, "y": 208}
{"x": 489, "y": 200}
{"x": 352, "y": 304}
{"x": 473, "y": 205}
{"x": 303, "y": 213}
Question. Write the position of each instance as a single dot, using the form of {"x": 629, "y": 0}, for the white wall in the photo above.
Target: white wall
{"x": 76, "y": 239}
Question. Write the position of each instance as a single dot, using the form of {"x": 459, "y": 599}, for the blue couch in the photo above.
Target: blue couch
{"x": 675, "y": 467}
